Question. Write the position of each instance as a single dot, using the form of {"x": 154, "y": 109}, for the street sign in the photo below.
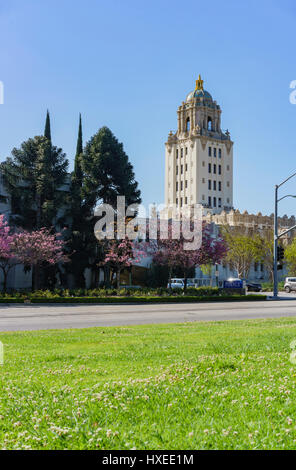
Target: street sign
{"x": 236, "y": 284}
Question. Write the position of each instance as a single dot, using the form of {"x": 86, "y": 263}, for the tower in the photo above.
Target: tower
{"x": 199, "y": 156}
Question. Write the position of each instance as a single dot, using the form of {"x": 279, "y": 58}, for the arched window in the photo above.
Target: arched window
{"x": 188, "y": 124}
{"x": 209, "y": 123}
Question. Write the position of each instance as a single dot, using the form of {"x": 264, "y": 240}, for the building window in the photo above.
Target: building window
{"x": 176, "y": 185}
{"x": 215, "y": 169}
{"x": 177, "y": 170}
{"x": 177, "y": 154}
{"x": 203, "y": 163}
{"x": 215, "y": 185}
{"x": 228, "y": 184}
{"x": 219, "y": 202}
{"x": 181, "y": 169}
{"x": 228, "y": 168}
{"x": 220, "y": 169}
{"x": 214, "y": 202}
{"x": 219, "y": 186}
{"x": 203, "y": 180}
{"x": 209, "y": 123}
{"x": 255, "y": 267}
{"x": 262, "y": 267}
{"x": 186, "y": 150}
{"x": 188, "y": 124}
{"x": 181, "y": 185}
{"x": 210, "y": 168}
{"x": 181, "y": 153}
{"x": 177, "y": 201}
{"x": 209, "y": 184}
{"x": 181, "y": 202}
{"x": 210, "y": 151}
{"x": 220, "y": 153}
{"x": 203, "y": 197}
{"x": 209, "y": 201}
{"x": 186, "y": 184}
{"x": 186, "y": 167}
{"x": 185, "y": 200}
{"x": 228, "y": 200}
{"x": 215, "y": 152}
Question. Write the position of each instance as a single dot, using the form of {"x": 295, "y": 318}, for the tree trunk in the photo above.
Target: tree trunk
{"x": 107, "y": 277}
{"x": 170, "y": 277}
{"x": 35, "y": 277}
{"x": 38, "y": 211}
{"x": 5, "y": 275}
{"x": 118, "y": 278}
{"x": 185, "y": 281}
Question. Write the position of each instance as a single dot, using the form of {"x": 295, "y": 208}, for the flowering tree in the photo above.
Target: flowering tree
{"x": 34, "y": 248}
{"x": 8, "y": 257}
{"x": 171, "y": 253}
{"x": 120, "y": 255}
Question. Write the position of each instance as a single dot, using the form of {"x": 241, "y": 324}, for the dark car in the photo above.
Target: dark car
{"x": 253, "y": 286}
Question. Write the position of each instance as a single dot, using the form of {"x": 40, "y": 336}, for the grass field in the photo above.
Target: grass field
{"x": 227, "y": 385}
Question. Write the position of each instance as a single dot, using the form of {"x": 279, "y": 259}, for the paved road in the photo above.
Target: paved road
{"x": 37, "y": 317}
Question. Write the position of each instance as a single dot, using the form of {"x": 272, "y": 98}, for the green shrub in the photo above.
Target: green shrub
{"x": 147, "y": 299}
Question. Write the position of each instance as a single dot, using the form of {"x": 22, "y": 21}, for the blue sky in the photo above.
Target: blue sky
{"x": 129, "y": 64}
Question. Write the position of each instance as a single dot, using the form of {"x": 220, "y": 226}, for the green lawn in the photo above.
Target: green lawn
{"x": 226, "y": 385}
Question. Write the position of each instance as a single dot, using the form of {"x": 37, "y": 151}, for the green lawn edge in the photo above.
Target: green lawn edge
{"x": 137, "y": 300}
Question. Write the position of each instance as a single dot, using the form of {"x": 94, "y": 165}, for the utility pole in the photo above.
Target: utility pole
{"x": 275, "y": 271}
{"x": 277, "y": 236}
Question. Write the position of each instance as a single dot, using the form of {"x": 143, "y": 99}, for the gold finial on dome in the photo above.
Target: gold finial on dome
{"x": 199, "y": 84}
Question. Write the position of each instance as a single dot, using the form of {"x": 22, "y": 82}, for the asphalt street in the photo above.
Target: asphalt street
{"x": 38, "y": 317}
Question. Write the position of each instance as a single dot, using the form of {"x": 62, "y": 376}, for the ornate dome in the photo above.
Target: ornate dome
{"x": 199, "y": 94}
{"x": 199, "y": 91}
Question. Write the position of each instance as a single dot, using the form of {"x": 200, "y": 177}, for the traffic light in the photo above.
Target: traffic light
{"x": 280, "y": 253}
{"x": 280, "y": 257}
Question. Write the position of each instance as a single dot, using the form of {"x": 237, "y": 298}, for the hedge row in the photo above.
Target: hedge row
{"x": 122, "y": 292}
{"x": 136, "y": 300}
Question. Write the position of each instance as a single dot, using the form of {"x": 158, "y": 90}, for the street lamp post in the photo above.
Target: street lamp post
{"x": 275, "y": 246}
{"x": 277, "y": 236}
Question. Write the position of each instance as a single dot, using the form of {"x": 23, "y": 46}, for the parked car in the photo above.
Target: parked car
{"x": 179, "y": 283}
{"x": 290, "y": 284}
{"x": 176, "y": 284}
{"x": 253, "y": 286}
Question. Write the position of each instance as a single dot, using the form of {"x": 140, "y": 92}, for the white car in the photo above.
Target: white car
{"x": 290, "y": 284}
{"x": 176, "y": 284}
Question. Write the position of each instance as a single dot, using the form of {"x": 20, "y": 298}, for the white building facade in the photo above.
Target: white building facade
{"x": 199, "y": 156}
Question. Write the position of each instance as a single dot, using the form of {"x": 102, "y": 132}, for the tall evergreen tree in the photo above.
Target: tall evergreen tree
{"x": 79, "y": 149}
{"x": 77, "y": 242}
{"x": 47, "y": 131}
{"x": 107, "y": 171}
{"x": 34, "y": 176}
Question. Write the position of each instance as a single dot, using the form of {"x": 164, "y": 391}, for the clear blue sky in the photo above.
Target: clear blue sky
{"x": 129, "y": 64}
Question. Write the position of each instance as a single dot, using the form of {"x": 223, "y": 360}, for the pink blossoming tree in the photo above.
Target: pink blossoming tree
{"x": 120, "y": 255}
{"x": 8, "y": 256}
{"x": 28, "y": 248}
{"x": 171, "y": 253}
{"x": 38, "y": 247}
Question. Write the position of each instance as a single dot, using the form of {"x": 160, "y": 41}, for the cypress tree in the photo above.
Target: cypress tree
{"x": 47, "y": 131}
{"x": 79, "y": 150}
{"x": 77, "y": 242}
